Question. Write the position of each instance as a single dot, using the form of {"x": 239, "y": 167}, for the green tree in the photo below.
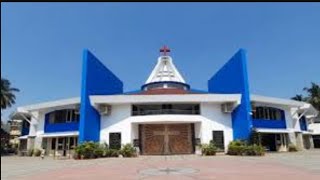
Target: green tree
{"x": 298, "y": 97}
{"x": 7, "y": 94}
{"x": 313, "y": 95}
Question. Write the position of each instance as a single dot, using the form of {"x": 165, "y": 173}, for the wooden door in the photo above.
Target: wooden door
{"x": 152, "y": 142}
{"x": 158, "y": 139}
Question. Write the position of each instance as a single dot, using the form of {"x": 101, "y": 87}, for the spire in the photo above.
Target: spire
{"x": 165, "y": 70}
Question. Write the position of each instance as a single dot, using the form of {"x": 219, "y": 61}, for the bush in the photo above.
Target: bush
{"x": 292, "y": 148}
{"x": 112, "y": 153}
{"x": 99, "y": 152}
{"x": 240, "y": 148}
{"x": 254, "y": 150}
{"x": 87, "y": 150}
{"x": 30, "y": 152}
{"x": 208, "y": 149}
{"x": 128, "y": 151}
{"x": 90, "y": 150}
{"x": 236, "y": 148}
{"x": 36, "y": 152}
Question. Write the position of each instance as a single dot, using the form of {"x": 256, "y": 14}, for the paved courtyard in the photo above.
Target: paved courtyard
{"x": 300, "y": 165}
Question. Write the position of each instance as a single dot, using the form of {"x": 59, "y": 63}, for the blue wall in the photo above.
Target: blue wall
{"x": 25, "y": 128}
{"x": 25, "y": 131}
{"x": 267, "y": 123}
{"x": 303, "y": 123}
{"x": 96, "y": 80}
{"x": 232, "y": 78}
{"x": 59, "y": 127}
{"x": 270, "y": 123}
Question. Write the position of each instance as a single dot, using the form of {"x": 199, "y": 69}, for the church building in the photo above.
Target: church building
{"x": 166, "y": 115}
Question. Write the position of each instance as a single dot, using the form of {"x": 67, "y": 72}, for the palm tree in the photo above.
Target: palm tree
{"x": 313, "y": 95}
{"x": 7, "y": 94}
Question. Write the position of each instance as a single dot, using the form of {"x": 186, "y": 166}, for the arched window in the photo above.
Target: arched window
{"x": 62, "y": 116}
{"x": 271, "y": 113}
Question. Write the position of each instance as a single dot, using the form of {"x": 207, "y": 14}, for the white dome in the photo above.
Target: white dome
{"x": 165, "y": 71}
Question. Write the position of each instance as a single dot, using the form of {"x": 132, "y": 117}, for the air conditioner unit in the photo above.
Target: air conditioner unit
{"x": 227, "y": 107}
{"x": 104, "y": 109}
{"x": 77, "y": 109}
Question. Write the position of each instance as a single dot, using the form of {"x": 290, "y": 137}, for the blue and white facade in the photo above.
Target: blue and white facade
{"x": 224, "y": 112}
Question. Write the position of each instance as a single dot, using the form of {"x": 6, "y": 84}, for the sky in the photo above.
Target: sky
{"x": 42, "y": 44}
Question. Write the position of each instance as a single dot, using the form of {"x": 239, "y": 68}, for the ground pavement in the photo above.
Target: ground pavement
{"x": 293, "y": 166}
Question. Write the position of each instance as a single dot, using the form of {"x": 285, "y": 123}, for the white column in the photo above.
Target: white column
{"x": 36, "y": 142}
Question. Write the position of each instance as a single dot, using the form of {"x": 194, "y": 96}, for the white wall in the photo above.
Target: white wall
{"x": 37, "y": 123}
{"x": 211, "y": 118}
{"x": 117, "y": 122}
{"x": 215, "y": 120}
{"x": 315, "y": 127}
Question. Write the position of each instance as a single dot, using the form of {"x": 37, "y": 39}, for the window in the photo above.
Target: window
{"x": 268, "y": 113}
{"x": 218, "y": 139}
{"x": 69, "y": 115}
{"x": 53, "y": 143}
{"x": 63, "y": 116}
{"x": 115, "y": 140}
{"x": 73, "y": 142}
{"x": 60, "y": 143}
{"x": 149, "y": 109}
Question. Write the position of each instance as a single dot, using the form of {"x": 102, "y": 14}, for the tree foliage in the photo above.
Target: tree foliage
{"x": 312, "y": 97}
{"x": 7, "y": 94}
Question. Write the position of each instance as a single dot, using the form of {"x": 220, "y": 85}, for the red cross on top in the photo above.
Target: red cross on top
{"x": 164, "y": 50}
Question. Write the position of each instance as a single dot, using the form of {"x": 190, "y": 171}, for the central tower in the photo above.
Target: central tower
{"x": 165, "y": 75}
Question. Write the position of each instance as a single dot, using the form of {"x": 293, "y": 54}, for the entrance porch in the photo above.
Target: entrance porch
{"x": 273, "y": 140}
{"x": 60, "y": 144}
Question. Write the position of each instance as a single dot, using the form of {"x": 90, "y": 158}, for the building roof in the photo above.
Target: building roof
{"x": 277, "y": 101}
{"x": 50, "y": 104}
{"x": 303, "y": 107}
{"x": 167, "y": 95}
{"x": 165, "y": 98}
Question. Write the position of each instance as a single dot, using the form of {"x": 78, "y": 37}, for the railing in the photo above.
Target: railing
{"x": 165, "y": 111}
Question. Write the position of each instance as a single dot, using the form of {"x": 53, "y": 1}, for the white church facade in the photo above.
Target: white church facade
{"x": 166, "y": 116}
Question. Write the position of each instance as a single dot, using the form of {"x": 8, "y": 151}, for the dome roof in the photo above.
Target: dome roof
{"x": 165, "y": 74}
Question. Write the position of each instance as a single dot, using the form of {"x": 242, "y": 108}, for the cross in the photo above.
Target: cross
{"x": 164, "y": 50}
{"x": 166, "y": 133}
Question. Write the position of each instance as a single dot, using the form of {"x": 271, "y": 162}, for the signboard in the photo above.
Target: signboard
{"x": 115, "y": 140}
